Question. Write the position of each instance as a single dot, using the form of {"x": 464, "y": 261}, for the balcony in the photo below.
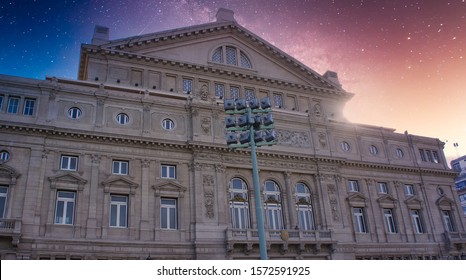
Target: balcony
{"x": 283, "y": 238}
{"x": 11, "y": 228}
{"x": 455, "y": 239}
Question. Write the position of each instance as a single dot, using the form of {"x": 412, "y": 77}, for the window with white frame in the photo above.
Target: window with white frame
{"x": 3, "y": 200}
{"x": 118, "y": 210}
{"x": 448, "y": 221}
{"x": 168, "y": 171}
{"x": 359, "y": 220}
{"x": 219, "y": 91}
{"x": 417, "y": 221}
{"x": 28, "y": 108}
{"x": 74, "y": 113}
{"x": 273, "y": 205}
{"x": 4, "y": 155}
{"x": 239, "y": 204}
{"x": 187, "y": 85}
{"x": 304, "y": 207}
{"x": 353, "y": 185}
{"x": 389, "y": 220}
{"x": 409, "y": 190}
{"x": 168, "y": 213}
{"x": 69, "y": 163}
{"x": 382, "y": 187}
{"x": 120, "y": 167}
{"x": 13, "y": 104}
{"x": 122, "y": 118}
{"x": 64, "y": 208}
{"x": 168, "y": 124}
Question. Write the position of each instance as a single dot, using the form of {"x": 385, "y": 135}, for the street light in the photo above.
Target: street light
{"x": 253, "y": 128}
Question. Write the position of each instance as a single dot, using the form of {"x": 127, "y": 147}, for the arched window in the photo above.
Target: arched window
{"x": 231, "y": 55}
{"x": 304, "y": 207}
{"x": 273, "y": 205}
{"x": 239, "y": 204}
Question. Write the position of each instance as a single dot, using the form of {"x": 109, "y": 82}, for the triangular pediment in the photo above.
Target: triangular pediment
{"x": 67, "y": 180}
{"x": 195, "y": 45}
{"x": 413, "y": 202}
{"x": 119, "y": 184}
{"x": 357, "y": 200}
{"x": 8, "y": 175}
{"x": 445, "y": 203}
{"x": 169, "y": 188}
{"x": 387, "y": 200}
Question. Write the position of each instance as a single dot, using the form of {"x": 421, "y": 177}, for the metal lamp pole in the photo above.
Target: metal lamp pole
{"x": 248, "y": 139}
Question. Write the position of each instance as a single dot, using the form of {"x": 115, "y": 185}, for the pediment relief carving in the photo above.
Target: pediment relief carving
{"x": 445, "y": 203}
{"x": 357, "y": 200}
{"x": 67, "y": 180}
{"x": 120, "y": 184}
{"x": 169, "y": 188}
{"x": 8, "y": 175}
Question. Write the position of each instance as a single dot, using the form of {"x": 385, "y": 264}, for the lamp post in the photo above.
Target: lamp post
{"x": 255, "y": 126}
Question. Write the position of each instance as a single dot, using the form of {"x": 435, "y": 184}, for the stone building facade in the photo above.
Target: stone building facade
{"x": 130, "y": 160}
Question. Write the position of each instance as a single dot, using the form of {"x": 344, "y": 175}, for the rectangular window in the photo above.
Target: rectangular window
{"x": 234, "y": 92}
{"x": 382, "y": 187}
{"x": 118, "y": 210}
{"x": 13, "y": 105}
{"x": 187, "y": 86}
{"x": 1, "y": 102}
{"x": 64, "y": 209}
{"x": 120, "y": 167}
{"x": 219, "y": 91}
{"x": 69, "y": 163}
{"x": 278, "y": 100}
{"x": 409, "y": 189}
{"x": 29, "y": 104}
{"x": 417, "y": 221}
{"x": 3, "y": 199}
{"x": 168, "y": 216}
{"x": 239, "y": 213}
{"x": 274, "y": 215}
{"x": 435, "y": 157}
{"x": 168, "y": 171}
{"x": 359, "y": 220}
{"x": 389, "y": 220}
{"x": 353, "y": 186}
{"x": 422, "y": 154}
{"x": 249, "y": 94}
{"x": 448, "y": 221}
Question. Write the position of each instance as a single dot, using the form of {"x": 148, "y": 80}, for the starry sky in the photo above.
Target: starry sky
{"x": 403, "y": 59}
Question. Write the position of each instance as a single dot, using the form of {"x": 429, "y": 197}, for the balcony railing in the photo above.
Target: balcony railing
{"x": 293, "y": 236}
{"x": 10, "y": 227}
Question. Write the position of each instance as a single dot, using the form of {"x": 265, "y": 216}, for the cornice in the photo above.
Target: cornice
{"x": 218, "y": 148}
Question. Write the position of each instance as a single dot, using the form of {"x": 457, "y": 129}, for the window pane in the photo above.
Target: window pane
{"x": 113, "y": 215}
{"x": 69, "y": 213}
{"x": 163, "y": 217}
{"x": 29, "y": 106}
{"x": 172, "y": 218}
{"x": 218, "y": 55}
{"x": 59, "y": 212}
{"x": 13, "y": 104}
{"x": 122, "y": 216}
{"x": 231, "y": 56}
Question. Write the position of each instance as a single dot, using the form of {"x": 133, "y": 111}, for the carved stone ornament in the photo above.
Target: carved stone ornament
{"x": 204, "y": 94}
{"x": 293, "y": 138}
{"x": 209, "y": 204}
{"x": 317, "y": 110}
{"x": 322, "y": 140}
{"x": 205, "y": 125}
{"x": 208, "y": 180}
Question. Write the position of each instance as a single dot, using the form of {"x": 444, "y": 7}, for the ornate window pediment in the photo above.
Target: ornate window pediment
{"x": 8, "y": 175}
{"x": 445, "y": 203}
{"x": 68, "y": 181}
{"x": 357, "y": 200}
{"x": 169, "y": 188}
{"x": 387, "y": 201}
{"x": 120, "y": 185}
{"x": 414, "y": 203}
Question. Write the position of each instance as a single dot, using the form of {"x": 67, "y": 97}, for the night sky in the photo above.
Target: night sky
{"x": 403, "y": 59}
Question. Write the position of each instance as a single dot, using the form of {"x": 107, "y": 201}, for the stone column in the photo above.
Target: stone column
{"x": 91, "y": 227}
{"x": 144, "y": 225}
{"x": 291, "y": 205}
